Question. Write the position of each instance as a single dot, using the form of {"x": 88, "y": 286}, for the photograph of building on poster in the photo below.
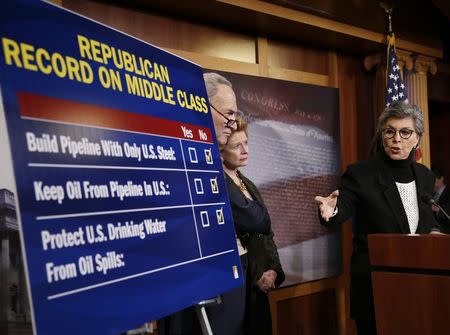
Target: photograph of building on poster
{"x": 14, "y": 306}
{"x": 293, "y": 156}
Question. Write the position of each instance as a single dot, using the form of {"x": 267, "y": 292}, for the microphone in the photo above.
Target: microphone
{"x": 430, "y": 201}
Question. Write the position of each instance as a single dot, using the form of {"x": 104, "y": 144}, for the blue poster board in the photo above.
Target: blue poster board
{"x": 122, "y": 203}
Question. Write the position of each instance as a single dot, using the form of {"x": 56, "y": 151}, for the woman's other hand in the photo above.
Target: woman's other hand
{"x": 267, "y": 281}
{"x": 436, "y": 232}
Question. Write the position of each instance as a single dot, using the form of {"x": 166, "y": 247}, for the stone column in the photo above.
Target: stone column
{"x": 4, "y": 274}
{"x": 416, "y": 86}
{"x": 24, "y": 306}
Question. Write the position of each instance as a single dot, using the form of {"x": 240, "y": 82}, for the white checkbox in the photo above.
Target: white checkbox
{"x": 193, "y": 155}
{"x": 205, "y": 218}
{"x": 198, "y": 186}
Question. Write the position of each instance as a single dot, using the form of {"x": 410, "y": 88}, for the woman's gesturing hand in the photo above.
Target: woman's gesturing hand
{"x": 327, "y": 205}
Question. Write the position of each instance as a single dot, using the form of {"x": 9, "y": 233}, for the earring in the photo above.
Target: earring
{"x": 417, "y": 153}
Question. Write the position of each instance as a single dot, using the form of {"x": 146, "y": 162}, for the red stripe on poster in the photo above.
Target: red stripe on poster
{"x": 55, "y": 109}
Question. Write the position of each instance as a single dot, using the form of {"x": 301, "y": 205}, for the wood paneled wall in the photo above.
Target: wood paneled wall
{"x": 304, "y": 308}
{"x": 439, "y": 117}
{"x": 439, "y": 127}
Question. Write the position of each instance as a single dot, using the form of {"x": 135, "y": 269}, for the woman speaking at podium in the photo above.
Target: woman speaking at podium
{"x": 383, "y": 195}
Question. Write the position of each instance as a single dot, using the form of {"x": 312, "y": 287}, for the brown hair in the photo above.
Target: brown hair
{"x": 242, "y": 125}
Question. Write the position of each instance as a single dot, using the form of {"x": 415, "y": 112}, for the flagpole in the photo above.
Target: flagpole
{"x": 388, "y": 10}
{"x": 395, "y": 89}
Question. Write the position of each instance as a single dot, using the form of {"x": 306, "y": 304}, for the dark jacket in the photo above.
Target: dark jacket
{"x": 368, "y": 193}
{"x": 253, "y": 228}
{"x": 444, "y": 202}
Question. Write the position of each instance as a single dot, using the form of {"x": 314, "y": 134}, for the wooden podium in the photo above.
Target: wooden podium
{"x": 411, "y": 283}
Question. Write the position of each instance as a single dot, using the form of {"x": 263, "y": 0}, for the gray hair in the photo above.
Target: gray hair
{"x": 212, "y": 81}
{"x": 402, "y": 110}
{"x": 398, "y": 110}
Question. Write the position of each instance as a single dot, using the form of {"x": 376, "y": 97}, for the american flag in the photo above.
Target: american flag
{"x": 395, "y": 89}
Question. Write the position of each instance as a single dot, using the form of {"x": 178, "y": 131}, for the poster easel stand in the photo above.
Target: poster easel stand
{"x": 200, "y": 309}
{"x": 146, "y": 329}
{"x": 202, "y": 316}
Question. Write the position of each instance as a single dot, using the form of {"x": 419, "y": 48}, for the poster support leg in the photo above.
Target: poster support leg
{"x": 146, "y": 329}
{"x": 200, "y": 308}
{"x": 202, "y": 316}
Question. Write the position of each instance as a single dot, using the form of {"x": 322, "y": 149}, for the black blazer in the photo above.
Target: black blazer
{"x": 253, "y": 227}
{"x": 368, "y": 193}
{"x": 444, "y": 202}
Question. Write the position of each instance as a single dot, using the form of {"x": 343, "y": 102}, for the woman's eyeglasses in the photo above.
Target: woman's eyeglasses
{"x": 230, "y": 123}
{"x": 404, "y": 133}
